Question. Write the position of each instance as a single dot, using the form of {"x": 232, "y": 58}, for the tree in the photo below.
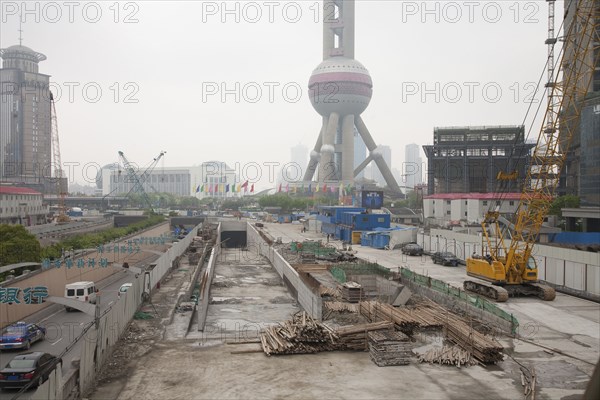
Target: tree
{"x": 17, "y": 245}
{"x": 566, "y": 201}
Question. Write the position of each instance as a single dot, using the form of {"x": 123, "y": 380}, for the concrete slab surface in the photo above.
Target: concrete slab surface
{"x": 244, "y": 294}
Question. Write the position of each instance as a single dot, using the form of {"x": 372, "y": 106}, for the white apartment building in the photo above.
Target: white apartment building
{"x": 468, "y": 208}
{"x": 22, "y": 206}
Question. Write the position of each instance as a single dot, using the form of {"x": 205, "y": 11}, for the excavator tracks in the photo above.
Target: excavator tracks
{"x": 494, "y": 292}
{"x": 544, "y": 292}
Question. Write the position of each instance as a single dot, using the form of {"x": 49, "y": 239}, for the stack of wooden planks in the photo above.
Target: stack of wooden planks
{"x": 354, "y": 337}
{"x": 389, "y": 348}
{"x": 352, "y": 292}
{"x": 406, "y": 320}
{"x": 484, "y": 348}
{"x": 340, "y": 306}
{"x": 448, "y": 355}
{"x": 430, "y": 315}
{"x": 300, "y": 335}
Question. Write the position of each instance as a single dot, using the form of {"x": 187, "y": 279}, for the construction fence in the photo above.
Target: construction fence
{"x": 341, "y": 271}
{"x": 312, "y": 247}
{"x": 459, "y": 294}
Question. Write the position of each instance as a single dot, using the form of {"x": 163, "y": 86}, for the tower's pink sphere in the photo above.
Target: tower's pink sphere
{"x": 340, "y": 85}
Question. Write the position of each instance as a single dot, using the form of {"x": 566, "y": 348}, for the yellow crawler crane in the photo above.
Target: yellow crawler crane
{"x": 511, "y": 269}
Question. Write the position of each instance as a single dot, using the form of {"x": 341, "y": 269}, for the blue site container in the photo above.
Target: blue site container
{"x": 365, "y": 239}
{"x": 380, "y": 240}
{"x": 346, "y": 235}
{"x": 367, "y": 222}
{"x": 340, "y": 211}
{"x": 328, "y": 228}
{"x": 338, "y": 232}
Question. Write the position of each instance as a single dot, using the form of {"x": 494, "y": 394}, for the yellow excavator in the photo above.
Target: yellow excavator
{"x": 508, "y": 268}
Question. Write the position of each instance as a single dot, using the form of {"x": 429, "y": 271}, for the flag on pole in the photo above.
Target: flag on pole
{"x": 317, "y": 188}
{"x": 252, "y": 188}
{"x": 198, "y": 189}
{"x": 202, "y": 188}
{"x": 325, "y": 187}
{"x": 309, "y": 188}
{"x": 245, "y": 186}
{"x": 279, "y": 188}
{"x": 227, "y": 188}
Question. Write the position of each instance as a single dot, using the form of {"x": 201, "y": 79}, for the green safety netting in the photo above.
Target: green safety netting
{"x": 475, "y": 301}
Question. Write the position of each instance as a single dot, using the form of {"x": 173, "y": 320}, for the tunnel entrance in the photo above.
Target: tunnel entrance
{"x": 233, "y": 239}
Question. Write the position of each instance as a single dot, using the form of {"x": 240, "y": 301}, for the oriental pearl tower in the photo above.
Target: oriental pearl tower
{"x": 340, "y": 89}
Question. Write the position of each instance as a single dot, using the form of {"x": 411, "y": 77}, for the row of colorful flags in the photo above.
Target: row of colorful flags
{"x": 317, "y": 188}
{"x": 224, "y": 188}
{"x": 237, "y": 188}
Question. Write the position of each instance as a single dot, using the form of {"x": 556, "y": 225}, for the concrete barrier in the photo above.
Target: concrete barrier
{"x": 309, "y": 299}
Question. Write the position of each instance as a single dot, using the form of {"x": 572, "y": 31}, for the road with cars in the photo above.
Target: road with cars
{"x": 64, "y": 328}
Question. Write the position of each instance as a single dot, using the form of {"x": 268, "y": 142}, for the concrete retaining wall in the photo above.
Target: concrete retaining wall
{"x": 310, "y": 301}
{"x": 206, "y": 282}
{"x": 99, "y": 341}
{"x": 575, "y": 270}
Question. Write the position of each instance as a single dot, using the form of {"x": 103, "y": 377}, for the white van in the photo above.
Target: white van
{"x": 82, "y": 291}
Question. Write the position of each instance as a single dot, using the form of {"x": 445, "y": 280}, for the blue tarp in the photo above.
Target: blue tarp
{"x": 576, "y": 238}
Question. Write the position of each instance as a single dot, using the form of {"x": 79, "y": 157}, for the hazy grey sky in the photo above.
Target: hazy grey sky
{"x": 162, "y": 67}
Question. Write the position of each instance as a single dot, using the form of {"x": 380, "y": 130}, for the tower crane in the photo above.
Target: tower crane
{"x": 146, "y": 175}
{"x": 62, "y": 216}
{"x": 510, "y": 267}
{"x": 137, "y": 182}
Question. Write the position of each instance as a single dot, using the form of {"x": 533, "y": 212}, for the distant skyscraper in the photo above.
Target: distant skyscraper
{"x": 25, "y": 137}
{"x": 386, "y": 153}
{"x": 412, "y": 170}
{"x": 299, "y": 159}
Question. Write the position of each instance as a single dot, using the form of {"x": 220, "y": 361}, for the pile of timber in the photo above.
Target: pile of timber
{"x": 300, "y": 335}
{"x": 354, "y": 337}
{"x": 430, "y": 315}
{"x": 448, "y": 355}
{"x": 406, "y": 320}
{"x": 340, "y": 306}
{"x": 327, "y": 291}
{"x": 389, "y": 348}
{"x": 352, "y": 292}
{"x": 484, "y": 348}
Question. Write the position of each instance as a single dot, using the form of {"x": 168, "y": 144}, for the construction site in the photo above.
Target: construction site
{"x": 262, "y": 318}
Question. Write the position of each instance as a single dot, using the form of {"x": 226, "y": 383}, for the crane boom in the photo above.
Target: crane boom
{"x": 62, "y": 214}
{"x": 556, "y": 134}
{"x": 137, "y": 183}
{"x": 512, "y": 266}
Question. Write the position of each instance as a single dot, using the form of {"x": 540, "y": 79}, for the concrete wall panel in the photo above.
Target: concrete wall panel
{"x": 593, "y": 280}
{"x": 575, "y": 275}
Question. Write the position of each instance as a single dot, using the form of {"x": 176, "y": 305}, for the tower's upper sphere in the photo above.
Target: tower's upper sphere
{"x": 341, "y": 85}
